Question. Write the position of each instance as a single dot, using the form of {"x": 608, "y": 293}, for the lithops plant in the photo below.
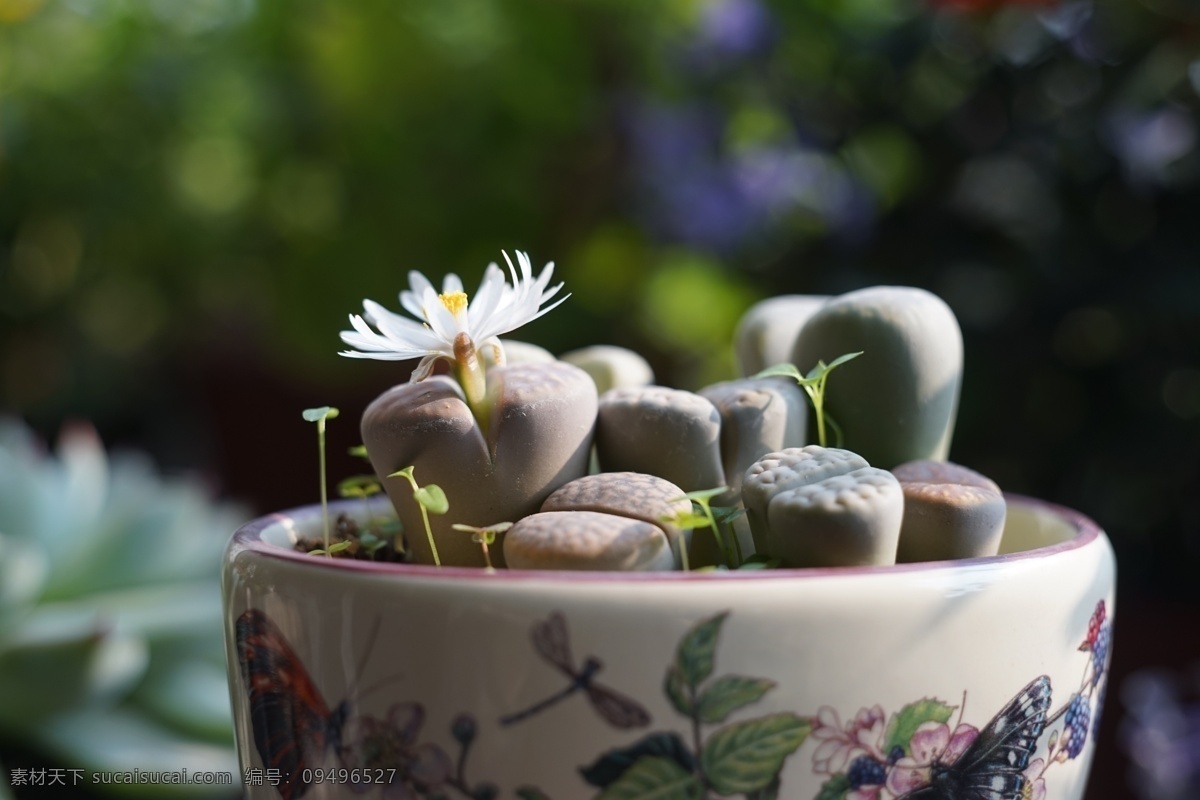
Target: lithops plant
{"x": 823, "y": 507}
{"x": 766, "y": 333}
{"x": 587, "y": 540}
{"x": 539, "y": 438}
{"x": 950, "y": 512}
{"x": 611, "y": 367}
{"x": 671, "y": 433}
{"x": 498, "y": 441}
{"x": 111, "y": 653}
{"x": 898, "y": 401}
{"x": 632, "y": 495}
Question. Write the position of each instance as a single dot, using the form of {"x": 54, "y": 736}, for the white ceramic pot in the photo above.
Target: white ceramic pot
{"x": 867, "y": 683}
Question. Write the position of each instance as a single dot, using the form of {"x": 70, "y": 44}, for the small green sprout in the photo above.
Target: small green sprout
{"x": 329, "y": 550}
{"x": 364, "y": 487}
{"x": 761, "y": 561}
{"x": 814, "y": 385}
{"x": 484, "y": 537}
{"x": 319, "y": 416}
{"x": 359, "y": 451}
{"x": 708, "y": 517}
{"x": 371, "y": 543}
{"x": 431, "y": 499}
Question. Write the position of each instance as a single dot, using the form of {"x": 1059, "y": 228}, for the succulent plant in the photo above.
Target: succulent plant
{"x": 111, "y": 653}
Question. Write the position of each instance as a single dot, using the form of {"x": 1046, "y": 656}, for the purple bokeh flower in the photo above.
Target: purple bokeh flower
{"x": 1149, "y": 143}
{"x": 734, "y": 28}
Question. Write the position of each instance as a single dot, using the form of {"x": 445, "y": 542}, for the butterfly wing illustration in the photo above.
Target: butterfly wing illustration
{"x": 993, "y": 767}
{"x": 291, "y": 721}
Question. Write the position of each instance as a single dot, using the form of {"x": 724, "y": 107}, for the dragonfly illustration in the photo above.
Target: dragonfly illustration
{"x": 552, "y": 643}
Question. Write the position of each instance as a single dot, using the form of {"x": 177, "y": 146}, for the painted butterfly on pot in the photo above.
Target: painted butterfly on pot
{"x": 993, "y": 766}
{"x": 293, "y": 725}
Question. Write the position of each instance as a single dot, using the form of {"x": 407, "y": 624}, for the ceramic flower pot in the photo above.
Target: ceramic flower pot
{"x": 359, "y": 679}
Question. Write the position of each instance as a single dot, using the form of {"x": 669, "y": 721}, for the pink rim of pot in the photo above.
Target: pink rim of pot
{"x": 249, "y": 538}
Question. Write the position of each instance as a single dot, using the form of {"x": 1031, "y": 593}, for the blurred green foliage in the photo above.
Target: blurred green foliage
{"x": 195, "y": 195}
{"x": 111, "y": 644}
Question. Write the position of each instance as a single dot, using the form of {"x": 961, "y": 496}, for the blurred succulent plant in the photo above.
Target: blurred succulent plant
{"x": 111, "y": 654}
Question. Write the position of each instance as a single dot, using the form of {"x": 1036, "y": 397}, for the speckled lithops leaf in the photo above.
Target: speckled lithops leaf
{"x": 844, "y": 520}
{"x": 586, "y": 540}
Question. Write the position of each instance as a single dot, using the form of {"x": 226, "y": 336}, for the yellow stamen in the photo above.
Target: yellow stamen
{"x": 455, "y": 302}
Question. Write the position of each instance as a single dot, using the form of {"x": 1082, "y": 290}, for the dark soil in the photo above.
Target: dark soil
{"x": 375, "y": 543}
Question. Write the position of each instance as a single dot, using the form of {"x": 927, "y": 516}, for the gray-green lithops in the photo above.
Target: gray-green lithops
{"x": 950, "y": 512}
{"x": 847, "y": 520}
{"x": 758, "y": 416}
{"x": 611, "y": 367}
{"x": 898, "y": 401}
{"x": 767, "y": 332}
{"x": 788, "y": 469}
{"x": 586, "y": 540}
{"x": 816, "y": 506}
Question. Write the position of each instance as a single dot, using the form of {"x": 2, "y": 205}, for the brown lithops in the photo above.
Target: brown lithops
{"x": 586, "y": 540}
{"x": 950, "y": 512}
{"x": 670, "y": 433}
{"x": 628, "y": 494}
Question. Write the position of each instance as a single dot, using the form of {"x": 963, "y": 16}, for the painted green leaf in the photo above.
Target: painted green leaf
{"x": 609, "y": 767}
{"x": 905, "y": 722}
{"x": 694, "y": 658}
{"x": 318, "y": 414}
{"x": 746, "y": 757}
{"x": 728, "y": 694}
{"x": 676, "y": 690}
{"x": 654, "y": 778}
{"x": 432, "y": 498}
{"x": 834, "y": 789}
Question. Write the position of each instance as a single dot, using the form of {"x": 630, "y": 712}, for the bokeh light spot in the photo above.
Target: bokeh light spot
{"x": 213, "y": 174}
{"x": 1181, "y": 392}
{"x": 1089, "y": 337}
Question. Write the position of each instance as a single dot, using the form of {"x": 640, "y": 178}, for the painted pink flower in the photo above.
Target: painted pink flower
{"x": 862, "y": 735}
{"x": 932, "y": 743}
{"x": 1035, "y": 786}
{"x": 388, "y": 749}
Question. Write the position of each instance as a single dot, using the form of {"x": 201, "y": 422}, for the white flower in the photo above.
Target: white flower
{"x": 442, "y": 320}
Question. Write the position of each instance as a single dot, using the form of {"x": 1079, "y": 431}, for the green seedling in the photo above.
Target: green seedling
{"x": 319, "y": 416}
{"x": 329, "y": 550}
{"x": 484, "y": 537}
{"x": 364, "y": 487}
{"x": 814, "y": 386}
{"x": 359, "y": 451}
{"x": 706, "y": 517}
{"x": 431, "y": 500}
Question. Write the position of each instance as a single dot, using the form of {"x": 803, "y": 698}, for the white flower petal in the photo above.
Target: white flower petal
{"x": 499, "y": 307}
{"x": 451, "y": 283}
